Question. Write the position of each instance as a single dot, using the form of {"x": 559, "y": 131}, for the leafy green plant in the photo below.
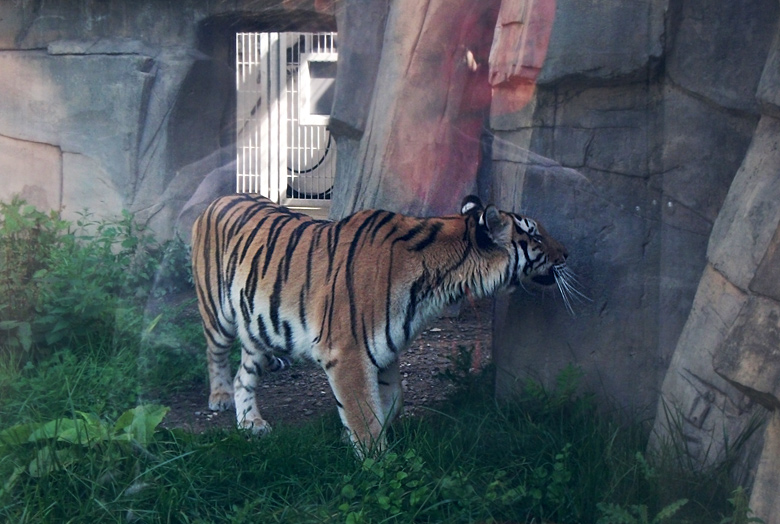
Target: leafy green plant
{"x": 741, "y": 512}
{"x": 638, "y": 514}
{"x": 60, "y": 443}
{"x": 387, "y": 486}
{"x": 99, "y": 272}
{"x": 27, "y": 237}
{"x": 68, "y": 284}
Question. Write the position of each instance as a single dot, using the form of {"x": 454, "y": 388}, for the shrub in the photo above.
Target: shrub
{"x": 27, "y": 239}
{"x": 70, "y": 285}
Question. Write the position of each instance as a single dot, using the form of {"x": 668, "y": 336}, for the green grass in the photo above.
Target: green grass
{"x": 544, "y": 456}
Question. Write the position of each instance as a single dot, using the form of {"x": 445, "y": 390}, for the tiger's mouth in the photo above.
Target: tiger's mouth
{"x": 545, "y": 280}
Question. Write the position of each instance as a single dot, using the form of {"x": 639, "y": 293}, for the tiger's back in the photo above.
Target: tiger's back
{"x": 351, "y": 295}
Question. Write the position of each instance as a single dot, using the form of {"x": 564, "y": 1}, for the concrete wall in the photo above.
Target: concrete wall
{"x": 124, "y": 105}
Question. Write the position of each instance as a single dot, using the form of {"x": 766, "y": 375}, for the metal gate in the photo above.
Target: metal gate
{"x": 284, "y": 84}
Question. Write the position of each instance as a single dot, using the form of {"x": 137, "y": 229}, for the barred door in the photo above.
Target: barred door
{"x": 284, "y": 85}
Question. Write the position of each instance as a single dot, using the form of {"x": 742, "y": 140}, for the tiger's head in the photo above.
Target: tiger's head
{"x": 538, "y": 257}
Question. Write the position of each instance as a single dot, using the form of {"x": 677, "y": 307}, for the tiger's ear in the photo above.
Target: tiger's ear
{"x": 498, "y": 227}
{"x": 470, "y": 203}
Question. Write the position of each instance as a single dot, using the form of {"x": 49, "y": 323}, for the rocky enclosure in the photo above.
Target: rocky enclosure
{"x": 643, "y": 134}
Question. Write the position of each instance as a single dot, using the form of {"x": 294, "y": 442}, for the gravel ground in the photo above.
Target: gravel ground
{"x": 302, "y": 392}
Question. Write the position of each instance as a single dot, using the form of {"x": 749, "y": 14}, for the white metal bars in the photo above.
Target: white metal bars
{"x": 284, "y": 149}
{"x": 311, "y": 150}
{"x": 260, "y": 114}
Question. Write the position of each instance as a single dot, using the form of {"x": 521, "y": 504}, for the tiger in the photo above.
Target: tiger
{"x": 350, "y": 295}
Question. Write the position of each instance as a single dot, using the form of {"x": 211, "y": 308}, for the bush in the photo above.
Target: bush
{"x": 27, "y": 239}
{"x": 72, "y": 285}
{"x": 74, "y": 301}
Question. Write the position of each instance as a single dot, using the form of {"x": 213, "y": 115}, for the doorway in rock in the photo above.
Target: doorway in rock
{"x": 285, "y": 83}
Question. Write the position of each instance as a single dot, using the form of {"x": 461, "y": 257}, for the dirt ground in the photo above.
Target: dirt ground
{"x": 302, "y": 392}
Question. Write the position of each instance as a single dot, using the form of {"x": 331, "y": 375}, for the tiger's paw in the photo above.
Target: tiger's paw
{"x": 220, "y": 400}
{"x": 258, "y": 426}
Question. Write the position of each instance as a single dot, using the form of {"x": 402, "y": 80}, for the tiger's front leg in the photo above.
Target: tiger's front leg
{"x": 390, "y": 390}
{"x": 354, "y": 381}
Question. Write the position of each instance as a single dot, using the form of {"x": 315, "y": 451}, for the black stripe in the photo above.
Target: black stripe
{"x": 388, "y": 310}
{"x": 287, "y": 336}
{"x": 387, "y": 218}
{"x": 411, "y": 233}
{"x": 274, "y": 230}
{"x": 302, "y": 308}
{"x": 292, "y": 243}
{"x": 366, "y": 343}
{"x": 349, "y": 270}
{"x": 327, "y": 313}
{"x": 332, "y": 305}
{"x": 257, "y": 228}
{"x": 524, "y": 248}
{"x": 333, "y": 243}
{"x": 265, "y": 339}
{"x": 429, "y": 239}
{"x": 252, "y": 278}
{"x": 415, "y": 295}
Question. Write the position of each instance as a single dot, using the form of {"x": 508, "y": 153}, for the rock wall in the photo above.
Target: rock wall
{"x": 642, "y": 134}
{"x": 418, "y": 147}
{"x": 652, "y": 153}
{"x": 726, "y": 369}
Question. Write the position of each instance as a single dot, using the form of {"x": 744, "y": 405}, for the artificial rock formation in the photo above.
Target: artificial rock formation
{"x": 646, "y": 216}
{"x": 421, "y": 147}
{"x": 726, "y": 368}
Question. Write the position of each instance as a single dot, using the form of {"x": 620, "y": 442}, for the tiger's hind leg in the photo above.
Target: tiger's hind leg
{"x": 218, "y": 348}
{"x": 254, "y": 362}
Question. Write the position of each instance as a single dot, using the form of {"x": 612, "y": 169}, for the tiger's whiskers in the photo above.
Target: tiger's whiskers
{"x": 568, "y": 285}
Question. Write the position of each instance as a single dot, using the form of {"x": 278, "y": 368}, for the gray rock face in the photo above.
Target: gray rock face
{"x": 719, "y": 49}
{"x": 604, "y": 41}
{"x": 749, "y": 217}
{"x": 41, "y": 165}
{"x": 725, "y": 369}
{"x": 748, "y": 356}
{"x": 50, "y": 101}
{"x": 672, "y": 225}
{"x": 534, "y": 336}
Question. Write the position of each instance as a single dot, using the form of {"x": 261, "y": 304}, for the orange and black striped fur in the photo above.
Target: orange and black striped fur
{"x": 351, "y": 295}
